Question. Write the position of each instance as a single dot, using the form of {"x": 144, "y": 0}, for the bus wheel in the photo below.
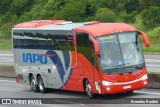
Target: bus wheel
{"x": 130, "y": 92}
{"x": 34, "y": 86}
{"x": 88, "y": 90}
{"x": 41, "y": 86}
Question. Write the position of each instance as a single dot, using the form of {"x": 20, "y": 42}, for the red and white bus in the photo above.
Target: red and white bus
{"x": 92, "y": 57}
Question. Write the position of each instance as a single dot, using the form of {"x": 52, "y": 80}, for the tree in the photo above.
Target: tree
{"x": 151, "y": 16}
{"x": 105, "y": 15}
{"x": 5, "y": 31}
{"x": 4, "y": 6}
{"x": 73, "y": 11}
{"x": 18, "y": 7}
{"x": 131, "y": 5}
{"x": 127, "y": 17}
{"x": 51, "y": 7}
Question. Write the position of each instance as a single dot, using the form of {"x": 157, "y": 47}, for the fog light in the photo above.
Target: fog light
{"x": 145, "y": 82}
{"x": 108, "y": 89}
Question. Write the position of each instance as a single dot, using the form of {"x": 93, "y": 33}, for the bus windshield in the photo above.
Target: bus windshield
{"x": 120, "y": 53}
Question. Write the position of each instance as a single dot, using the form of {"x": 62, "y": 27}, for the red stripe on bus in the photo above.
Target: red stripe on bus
{"x": 48, "y": 54}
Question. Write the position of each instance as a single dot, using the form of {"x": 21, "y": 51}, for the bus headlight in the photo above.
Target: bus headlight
{"x": 144, "y": 77}
{"x": 106, "y": 83}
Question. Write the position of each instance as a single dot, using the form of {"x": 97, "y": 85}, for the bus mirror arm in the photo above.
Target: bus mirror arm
{"x": 145, "y": 38}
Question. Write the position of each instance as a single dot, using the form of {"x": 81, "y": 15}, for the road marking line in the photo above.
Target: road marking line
{"x": 147, "y": 92}
{"x": 6, "y": 54}
{"x": 7, "y": 81}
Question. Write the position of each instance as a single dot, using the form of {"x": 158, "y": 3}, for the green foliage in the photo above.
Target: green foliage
{"x": 154, "y": 48}
{"x": 52, "y": 7}
{"x": 18, "y": 7}
{"x": 5, "y": 31}
{"x": 5, "y": 44}
{"x": 73, "y": 11}
{"x": 131, "y": 5}
{"x": 154, "y": 35}
{"x": 35, "y": 13}
{"x": 105, "y": 15}
{"x": 127, "y": 17}
{"x": 144, "y": 4}
{"x": 4, "y": 6}
{"x": 151, "y": 16}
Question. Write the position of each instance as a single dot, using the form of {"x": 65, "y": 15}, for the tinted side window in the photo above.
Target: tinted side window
{"x": 40, "y": 40}
{"x": 63, "y": 44}
{"x": 86, "y": 47}
{"x": 32, "y": 44}
{"x": 83, "y": 45}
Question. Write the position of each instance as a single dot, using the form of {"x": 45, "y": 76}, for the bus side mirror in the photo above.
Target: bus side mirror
{"x": 145, "y": 38}
{"x": 96, "y": 47}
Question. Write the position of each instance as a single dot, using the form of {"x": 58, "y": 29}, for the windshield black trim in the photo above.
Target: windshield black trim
{"x": 125, "y": 70}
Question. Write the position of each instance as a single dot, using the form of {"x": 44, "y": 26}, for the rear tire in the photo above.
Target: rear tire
{"x": 34, "y": 86}
{"x": 41, "y": 86}
{"x": 130, "y": 92}
{"x": 88, "y": 90}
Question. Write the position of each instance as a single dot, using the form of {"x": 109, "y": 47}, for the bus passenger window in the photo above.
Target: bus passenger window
{"x": 56, "y": 47}
{"x": 63, "y": 44}
{"x": 86, "y": 48}
{"x": 71, "y": 46}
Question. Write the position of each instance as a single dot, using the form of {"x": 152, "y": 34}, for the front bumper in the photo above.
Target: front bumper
{"x": 123, "y": 87}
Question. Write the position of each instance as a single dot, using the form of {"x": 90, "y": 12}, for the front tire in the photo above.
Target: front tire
{"x": 130, "y": 92}
{"x": 41, "y": 86}
{"x": 88, "y": 90}
{"x": 34, "y": 86}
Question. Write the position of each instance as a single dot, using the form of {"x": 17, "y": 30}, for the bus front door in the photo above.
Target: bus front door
{"x": 87, "y": 66}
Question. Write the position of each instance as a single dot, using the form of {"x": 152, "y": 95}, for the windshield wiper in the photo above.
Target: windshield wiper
{"x": 117, "y": 66}
{"x": 132, "y": 68}
{"x": 127, "y": 64}
{"x": 137, "y": 67}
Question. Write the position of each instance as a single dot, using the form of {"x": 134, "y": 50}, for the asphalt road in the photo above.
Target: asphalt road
{"x": 10, "y": 89}
{"x": 152, "y": 60}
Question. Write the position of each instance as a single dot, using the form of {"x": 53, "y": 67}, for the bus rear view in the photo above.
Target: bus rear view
{"x": 93, "y": 57}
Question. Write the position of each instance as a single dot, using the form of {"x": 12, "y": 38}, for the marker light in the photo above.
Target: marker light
{"x": 144, "y": 77}
{"x": 54, "y": 66}
{"x": 106, "y": 83}
{"x": 108, "y": 89}
{"x": 145, "y": 82}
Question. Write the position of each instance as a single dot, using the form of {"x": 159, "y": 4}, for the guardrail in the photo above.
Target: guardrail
{"x": 7, "y": 71}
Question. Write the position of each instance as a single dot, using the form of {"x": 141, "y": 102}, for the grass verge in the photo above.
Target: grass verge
{"x": 154, "y": 48}
{"x": 5, "y": 44}
{"x": 153, "y": 72}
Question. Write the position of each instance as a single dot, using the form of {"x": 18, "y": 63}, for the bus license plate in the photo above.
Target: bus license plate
{"x": 126, "y": 87}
